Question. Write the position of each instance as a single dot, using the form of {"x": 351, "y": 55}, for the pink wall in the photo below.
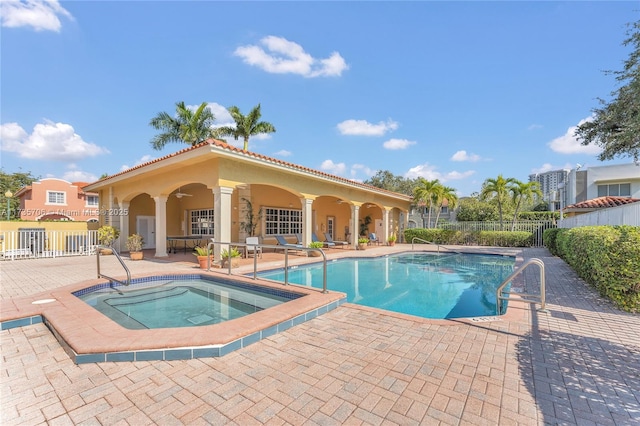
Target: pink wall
{"x": 69, "y": 203}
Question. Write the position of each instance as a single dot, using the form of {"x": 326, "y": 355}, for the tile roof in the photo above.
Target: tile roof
{"x": 602, "y": 203}
{"x": 266, "y": 159}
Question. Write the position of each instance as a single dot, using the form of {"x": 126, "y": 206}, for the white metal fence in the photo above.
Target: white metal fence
{"x": 628, "y": 214}
{"x": 536, "y": 227}
{"x": 29, "y": 243}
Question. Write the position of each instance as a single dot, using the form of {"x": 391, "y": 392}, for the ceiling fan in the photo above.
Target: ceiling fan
{"x": 181, "y": 194}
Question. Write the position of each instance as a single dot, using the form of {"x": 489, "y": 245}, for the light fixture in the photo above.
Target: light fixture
{"x": 180, "y": 194}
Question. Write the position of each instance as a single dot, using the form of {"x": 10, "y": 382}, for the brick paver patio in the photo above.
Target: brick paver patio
{"x": 577, "y": 364}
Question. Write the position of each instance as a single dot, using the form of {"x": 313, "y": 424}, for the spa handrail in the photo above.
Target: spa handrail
{"x": 541, "y": 297}
{"x": 286, "y": 249}
{"x": 431, "y": 242}
{"x": 100, "y": 275}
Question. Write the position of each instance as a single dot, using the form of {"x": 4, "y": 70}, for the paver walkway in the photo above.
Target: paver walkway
{"x": 577, "y": 364}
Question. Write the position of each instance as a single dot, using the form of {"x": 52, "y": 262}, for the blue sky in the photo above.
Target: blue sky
{"x": 456, "y": 91}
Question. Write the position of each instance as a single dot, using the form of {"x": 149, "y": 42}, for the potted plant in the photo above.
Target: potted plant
{"x": 203, "y": 254}
{"x": 316, "y": 245}
{"x": 362, "y": 243}
{"x": 232, "y": 255}
{"x": 107, "y": 235}
{"x": 392, "y": 239}
{"x": 134, "y": 245}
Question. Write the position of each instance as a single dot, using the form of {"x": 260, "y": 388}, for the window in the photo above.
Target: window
{"x": 92, "y": 201}
{"x": 202, "y": 222}
{"x": 615, "y": 190}
{"x": 55, "y": 197}
{"x": 282, "y": 221}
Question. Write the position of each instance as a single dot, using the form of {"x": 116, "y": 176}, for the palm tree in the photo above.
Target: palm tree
{"x": 424, "y": 193}
{"x": 523, "y": 192}
{"x": 246, "y": 126}
{"x": 497, "y": 189}
{"x": 187, "y": 126}
{"x": 449, "y": 194}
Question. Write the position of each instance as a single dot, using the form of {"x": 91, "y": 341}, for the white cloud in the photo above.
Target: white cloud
{"x": 463, "y": 156}
{"x": 286, "y": 57}
{"x": 429, "y": 172}
{"x": 38, "y": 14}
{"x": 283, "y": 153}
{"x": 49, "y": 141}
{"x": 361, "y": 168}
{"x": 333, "y": 168}
{"x": 535, "y": 127}
{"x": 546, "y": 167}
{"x": 569, "y": 144}
{"x": 395, "y": 144}
{"x": 364, "y": 128}
{"x": 79, "y": 176}
{"x": 141, "y": 160}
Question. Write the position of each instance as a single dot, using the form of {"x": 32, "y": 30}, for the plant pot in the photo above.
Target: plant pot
{"x": 235, "y": 262}
{"x": 392, "y": 243}
{"x": 106, "y": 251}
{"x": 362, "y": 246}
{"x": 136, "y": 255}
{"x": 314, "y": 253}
{"x": 202, "y": 261}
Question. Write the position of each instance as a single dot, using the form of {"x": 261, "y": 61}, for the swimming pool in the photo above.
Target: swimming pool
{"x": 429, "y": 285}
{"x": 183, "y": 302}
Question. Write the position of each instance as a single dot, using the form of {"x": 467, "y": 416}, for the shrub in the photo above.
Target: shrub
{"x": 607, "y": 257}
{"x": 549, "y": 237}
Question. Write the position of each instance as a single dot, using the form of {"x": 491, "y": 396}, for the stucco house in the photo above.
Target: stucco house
{"x": 57, "y": 199}
{"x": 206, "y": 190}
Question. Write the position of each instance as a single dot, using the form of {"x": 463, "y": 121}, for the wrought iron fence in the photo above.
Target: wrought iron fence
{"x": 535, "y": 227}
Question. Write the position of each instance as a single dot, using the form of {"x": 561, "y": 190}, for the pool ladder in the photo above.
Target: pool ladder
{"x": 101, "y": 275}
{"x": 414, "y": 239}
{"x": 535, "y": 298}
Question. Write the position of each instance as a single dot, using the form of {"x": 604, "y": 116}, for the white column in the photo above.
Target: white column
{"x": 221, "y": 217}
{"x": 161, "y": 225}
{"x": 307, "y": 220}
{"x": 124, "y": 224}
{"x": 355, "y": 225}
{"x": 385, "y": 224}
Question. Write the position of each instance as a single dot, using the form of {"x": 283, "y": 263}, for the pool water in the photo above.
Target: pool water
{"x": 179, "y": 303}
{"x": 428, "y": 285}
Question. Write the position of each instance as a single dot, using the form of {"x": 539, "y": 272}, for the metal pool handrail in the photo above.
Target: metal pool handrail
{"x": 541, "y": 297}
{"x": 100, "y": 275}
{"x": 431, "y": 242}
{"x": 276, "y": 247}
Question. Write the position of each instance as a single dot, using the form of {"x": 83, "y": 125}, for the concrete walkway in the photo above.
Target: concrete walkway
{"x": 577, "y": 364}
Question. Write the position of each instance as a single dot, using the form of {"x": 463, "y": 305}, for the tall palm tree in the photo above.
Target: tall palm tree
{"x": 449, "y": 194}
{"x": 497, "y": 189}
{"x": 520, "y": 192}
{"x": 246, "y": 125}
{"x": 424, "y": 193}
{"x": 191, "y": 127}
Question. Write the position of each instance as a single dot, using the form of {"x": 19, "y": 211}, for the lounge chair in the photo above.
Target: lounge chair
{"x": 329, "y": 239}
{"x": 252, "y": 246}
{"x": 298, "y": 238}
{"x": 373, "y": 238}
{"x": 327, "y": 244}
{"x": 284, "y": 243}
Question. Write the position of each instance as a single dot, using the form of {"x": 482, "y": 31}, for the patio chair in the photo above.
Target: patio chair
{"x": 252, "y": 246}
{"x": 327, "y": 244}
{"x": 284, "y": 243}
{"x": 373, "y": 238}
{"x": 329, "y": 239}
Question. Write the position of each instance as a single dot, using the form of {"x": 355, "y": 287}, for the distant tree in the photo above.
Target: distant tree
{"x": 497, "y": 189}
{"x": 246, "y": 125}
{"x": 13, "y": 182}
{"x": 386, "y": 180}
{"x": 191, "y": 127}
{"x": 616, "y": 125}
{"x": 542, "y": 206}
{"x": 425, "y": 194}
{"x": 522, "y": 192}
{"x": 472, "y": 209}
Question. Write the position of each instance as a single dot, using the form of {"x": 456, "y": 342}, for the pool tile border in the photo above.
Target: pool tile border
{"x": 173, "y": 354}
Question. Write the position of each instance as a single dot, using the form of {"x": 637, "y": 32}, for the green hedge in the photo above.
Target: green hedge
{"x": 607, "y": 257}
{"x": 478, "y": 238}
{"x": 549, "y": 238}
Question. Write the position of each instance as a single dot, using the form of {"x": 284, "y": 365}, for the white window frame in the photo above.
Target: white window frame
{"x": 97, "y": 202}
{"x": 201, "y": 222}
{"x": 609, "y": 187}
{"x": 56, "y": 202}
{"x": 282, "y": 221}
